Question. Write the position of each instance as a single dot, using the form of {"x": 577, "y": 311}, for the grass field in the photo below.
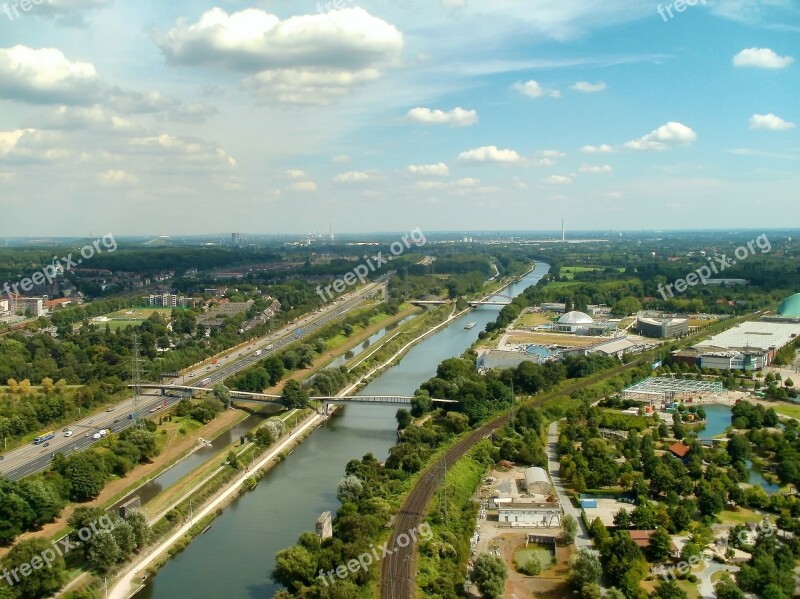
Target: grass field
{"x": 554, "y": 339}
{"x": 569, "y": 272}
{"x": 544, "y": 554}
{"x": 123, "y": 319}
{"x": 536, "y": 318}
{"x": 793, "y": 411}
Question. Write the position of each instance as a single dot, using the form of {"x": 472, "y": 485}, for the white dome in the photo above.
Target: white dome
{"x": 575, "y": 318}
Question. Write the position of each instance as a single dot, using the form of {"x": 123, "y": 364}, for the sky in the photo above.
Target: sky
{"x": 185, "y": 117}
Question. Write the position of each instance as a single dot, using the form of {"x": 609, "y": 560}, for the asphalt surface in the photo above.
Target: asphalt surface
{"x": 29, "y": 459}
{"x": 398, "y": 569}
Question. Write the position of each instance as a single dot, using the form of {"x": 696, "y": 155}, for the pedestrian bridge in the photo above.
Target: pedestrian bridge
{"x": 386, "y": 400}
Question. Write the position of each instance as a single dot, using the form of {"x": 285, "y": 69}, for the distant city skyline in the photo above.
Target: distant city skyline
{"x": 340, "y": 118}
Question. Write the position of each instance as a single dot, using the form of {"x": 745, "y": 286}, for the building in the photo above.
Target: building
{"x": 734, "y": 360}
{"x": 3, "y": 306}
{"x": 33, "y": 304}
{"x": 679, "y": 450}
{"x": 574, "y": 322}
{"x": 55, "y": 304}
{"x": 230, "y": 308}
{"x": 529, "y": 514}
{"x": 758, "y": 338}
{"x": 790, "y": 307}
{"x": 662, "y": 328}
{"x": 613, "y": 347}
{"x": 498, "y": 358}
{"x": 324, "y": 526}
{"x": 537, "y": 482}
{"x": 164, "y": 300}
{"x": 553, "y": 307}
{"x": 641, "y": 538}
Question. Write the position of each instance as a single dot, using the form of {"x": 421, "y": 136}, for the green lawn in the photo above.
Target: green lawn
{"x": 793, "y": 411}
{"x": 544, "y": 554}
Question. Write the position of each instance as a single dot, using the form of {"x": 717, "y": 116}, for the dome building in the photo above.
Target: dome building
{"x": 574, "y": 322}
{"x": 790, "y": 308}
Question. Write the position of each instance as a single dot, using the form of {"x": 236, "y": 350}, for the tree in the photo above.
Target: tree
{"x": 569, "y": 528}
{"x": 233, "y": 460}
{"x": 140, "y": 528}
{"x": 532, "y": 566}
{"x": 586, "y": 569}
{"x": 294, "y": 396}
{"x": 294, "y": 568}
{"x": 726, "y": 589}
{"x": 42, "y": 581}
{"x": 489, "y": 575}
{"x": 403, "y": 419}
{"x": 660, "y": 545}
{"x": 222, "y": 393}
{"x": 349, "y": 489}
{"x": 103, "y": 550}
{"x": 669, "y": 589}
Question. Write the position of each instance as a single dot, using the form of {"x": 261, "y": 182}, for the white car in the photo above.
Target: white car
{"x": 96, "y": 436}
{"x": 68, "y": 434}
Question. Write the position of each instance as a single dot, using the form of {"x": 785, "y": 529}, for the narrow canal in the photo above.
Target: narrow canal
{"x": 235, "y": 557}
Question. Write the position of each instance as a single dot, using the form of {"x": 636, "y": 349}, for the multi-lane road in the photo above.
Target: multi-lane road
{"x": 30, "y": 458}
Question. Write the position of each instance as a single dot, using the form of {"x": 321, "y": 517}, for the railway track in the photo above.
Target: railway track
{"x": 398, "y": 569}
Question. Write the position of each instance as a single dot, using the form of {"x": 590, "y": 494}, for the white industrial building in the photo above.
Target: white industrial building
{"x": 537, "y": 482}
{"x": 748, "y": 346}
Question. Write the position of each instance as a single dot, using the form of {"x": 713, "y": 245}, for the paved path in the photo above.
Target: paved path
{"x": 706, "y": 587}
{"x": 582, "y": 539}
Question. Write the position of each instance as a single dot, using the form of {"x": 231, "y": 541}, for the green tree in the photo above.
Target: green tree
{"x": 489, "y": 575}
{"x": 222, "y": 393}
{"x": 660, "y": 545}
{"x": 103, "y": 551}
{"x": 294, "y": 396}
{"x": 403, "y": 419}
{"x": 669, "y": 589}
{"x": 569, "y": 528}
{"x": 40, "y": 581}
{"x": 726, "y": 589}
{"x": 586, "y": 569}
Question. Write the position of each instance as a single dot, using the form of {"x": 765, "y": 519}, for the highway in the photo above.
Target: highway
{"x": 29, "y": 459}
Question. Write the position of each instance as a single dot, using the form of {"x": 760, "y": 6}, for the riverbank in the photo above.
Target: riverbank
{"x": 124, "y": 587}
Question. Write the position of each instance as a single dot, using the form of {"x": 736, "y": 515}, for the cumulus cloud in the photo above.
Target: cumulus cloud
{"x": 601, "y": 149}
{"x": 458, "y": 117}
{"x": 294, "y": 173}
{"x": 589, "y": 88}
{"x": 429, "y": 170}
{"x": 557, "y": 180}
{"x": 488, "y": 154}
{"x": 667, "y": 136}
{"x": 761, "y": 58}
{"x": 306, "y": 59}
{"x": 69, "y": 12}
{"x": 596, "y": 169}
{"x": 31, "y": 146}
{"x": 770, "y": 122}
{"x": 353, "y": 177}
{"x": 46, "y": 76}
{"x": 117, "y": 177}
{"x": 464, "y": 183}
{"x": 165, "y": 151}
{"x": 303, "y": 186}
{"x": 533, "y": 89}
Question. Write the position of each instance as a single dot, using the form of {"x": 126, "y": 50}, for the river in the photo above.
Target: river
{"x": 235, "y": 557}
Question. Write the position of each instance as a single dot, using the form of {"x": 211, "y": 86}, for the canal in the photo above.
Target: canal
{"x": 235, "y": 557}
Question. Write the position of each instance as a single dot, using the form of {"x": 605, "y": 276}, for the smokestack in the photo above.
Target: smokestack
{"x": 563, "y": 231}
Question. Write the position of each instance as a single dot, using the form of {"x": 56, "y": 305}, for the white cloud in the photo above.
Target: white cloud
{"x": 306, "y": 59}
{"x": 340, "y": 159}
{"x": 353, "y": 177}
{"x": 303, "y": 186}
{"x": 466, "y": 182}
{"x": 46, "y": 76}
{"x": 294, "y": 173}
{"x": 533, "y": 89}
{"x": 596, "y": 169}
{"x": 458, "y": 117}
{"x": 589, "y": 88}
{"x": 117, "y": 177}
{"x": 430, "y": 170}
{"x": 761, "y": 58}
{"x": 666, "y": 136}
{"x": 557, "y": 180}
{"x": 551, "y": 154}
{"x": 31, "y": 146}
{"x": 491, "y": 154}
{"x": 770, "y": 122}
{"x": 601, "y": 149}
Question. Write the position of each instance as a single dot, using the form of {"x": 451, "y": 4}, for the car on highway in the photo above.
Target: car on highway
{"x": 109, "y": 409}
{"x": 116, "y": 420}
{"x": 96, "y": 436}
{"x": 191, "y": 374}
{"x": 67, "y": 433}
{"x": 91, "y": 421}
{"x": 46, "y": 445}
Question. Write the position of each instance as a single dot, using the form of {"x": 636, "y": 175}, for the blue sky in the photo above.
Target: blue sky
{"x": 281, "y": 117}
